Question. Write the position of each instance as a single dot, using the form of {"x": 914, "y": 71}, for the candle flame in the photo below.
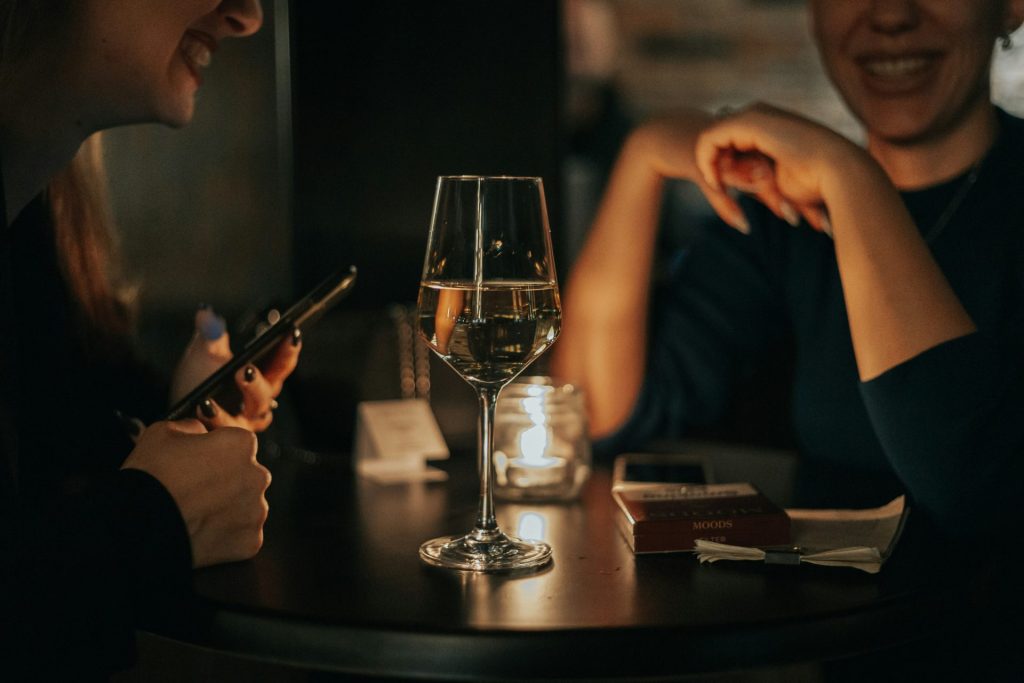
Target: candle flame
{"x": 533, "y": 444}
{"x": 534, "y": 409}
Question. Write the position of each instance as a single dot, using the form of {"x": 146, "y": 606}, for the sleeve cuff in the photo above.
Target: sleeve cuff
{"x": 948, "y": 421}
{"x": 948, "y": 377}
{"x": 634, "y": 432}
{"x": 83, "y": 569}
{"x": 147, "y": 525}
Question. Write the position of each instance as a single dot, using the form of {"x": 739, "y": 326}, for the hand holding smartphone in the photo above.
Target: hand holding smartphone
{"x": 300, "y": 315}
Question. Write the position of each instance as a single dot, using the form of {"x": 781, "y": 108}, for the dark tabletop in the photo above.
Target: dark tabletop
{"x": 339, "y": 586}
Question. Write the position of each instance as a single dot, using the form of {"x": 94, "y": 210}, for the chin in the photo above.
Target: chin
{"x": 179, "y": 122}
{"x": 899, "y": 123}
{"x": 901, "y": 133}
{"x": 177, "y": 116}
{"x": 174, "y": 103}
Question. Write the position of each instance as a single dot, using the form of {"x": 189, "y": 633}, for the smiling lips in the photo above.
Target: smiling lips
{"x": 895, "y": 67}
{"x": 898, "y": 72}
{"x": 197, "y": 51}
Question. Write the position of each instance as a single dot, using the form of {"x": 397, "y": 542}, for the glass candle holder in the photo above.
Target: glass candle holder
{"x": 541, "y": 450}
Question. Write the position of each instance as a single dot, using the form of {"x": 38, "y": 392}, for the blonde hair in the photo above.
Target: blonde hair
{"x": 87, "y": 250}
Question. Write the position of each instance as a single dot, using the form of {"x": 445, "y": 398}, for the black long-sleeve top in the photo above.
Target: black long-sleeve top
{"x": 88, "y": 552}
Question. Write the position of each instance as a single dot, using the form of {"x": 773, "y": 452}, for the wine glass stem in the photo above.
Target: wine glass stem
{"x": 485, "y": 521}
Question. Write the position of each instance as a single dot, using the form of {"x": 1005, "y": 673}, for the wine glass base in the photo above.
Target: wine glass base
{"x": 480, "y": 551}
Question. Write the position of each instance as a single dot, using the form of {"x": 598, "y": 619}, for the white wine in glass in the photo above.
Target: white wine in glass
{"x": 488, "y": 306}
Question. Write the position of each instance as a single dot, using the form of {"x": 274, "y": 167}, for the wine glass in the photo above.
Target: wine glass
{"x": 488, "y": 306}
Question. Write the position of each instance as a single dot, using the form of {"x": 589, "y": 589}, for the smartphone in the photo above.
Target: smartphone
{"x": 301, "y": 314}
{"x": 662, "y": 468}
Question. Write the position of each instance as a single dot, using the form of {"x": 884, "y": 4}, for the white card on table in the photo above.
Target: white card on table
{"x": 394, "y": 439}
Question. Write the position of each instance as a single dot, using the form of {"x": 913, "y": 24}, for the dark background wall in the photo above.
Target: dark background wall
{"x": 388, "y": 96}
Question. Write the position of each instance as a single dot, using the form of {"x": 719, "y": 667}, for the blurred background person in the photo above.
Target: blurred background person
{"x": 894, "y": 267}
{"x": 917, "y": 76}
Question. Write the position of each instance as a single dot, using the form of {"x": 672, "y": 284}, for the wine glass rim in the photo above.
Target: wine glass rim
{"x": 490, "y": 177}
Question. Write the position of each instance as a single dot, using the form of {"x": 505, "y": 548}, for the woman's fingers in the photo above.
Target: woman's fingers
{"x": 186, "y": 426}
{"x": 213, "y": 416}
{"x": 817, "y": 217}
{"x": 283, "y": 360}
{"x": 211, "y": 329}
{"x": 211, "y": 342}
{"x": 133, "y": 426}
{"x": 734, "y": 159}
{"x": 215, "y": 480}
{"x": 806, "y": 157}
{"x": 726, "y": 207}
{"x": 749, "y": 173}
{"x": 208, "y": 350}
{"x": 754, "y": 173}
{"x": 257, "y": 397}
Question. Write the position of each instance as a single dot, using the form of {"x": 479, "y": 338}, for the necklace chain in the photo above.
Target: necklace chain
{"x": 951, "y": 208}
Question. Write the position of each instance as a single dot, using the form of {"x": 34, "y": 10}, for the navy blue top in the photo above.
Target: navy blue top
{"x": 946, "y": 426}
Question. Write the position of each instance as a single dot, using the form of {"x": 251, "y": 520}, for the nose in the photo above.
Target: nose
{"x": 242, "y": 17}
{"x": 893, "y": 16}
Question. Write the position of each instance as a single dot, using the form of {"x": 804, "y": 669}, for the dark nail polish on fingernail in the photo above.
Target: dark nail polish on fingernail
{"x": 207, "y": 408}
{"x": 296, "y": 336}
{"x": 203, "y": 307}
{"x": 250, "y": 373}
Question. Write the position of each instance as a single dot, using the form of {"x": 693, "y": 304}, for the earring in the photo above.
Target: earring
{"x": 1005, "y": 41}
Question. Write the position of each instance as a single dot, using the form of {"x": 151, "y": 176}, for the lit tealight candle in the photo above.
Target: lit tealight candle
{"x": 535, "y": 466}
{"x": 540, "y": 450}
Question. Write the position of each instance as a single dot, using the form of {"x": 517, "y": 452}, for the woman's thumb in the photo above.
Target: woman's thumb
{"x": 211, "y": 332}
